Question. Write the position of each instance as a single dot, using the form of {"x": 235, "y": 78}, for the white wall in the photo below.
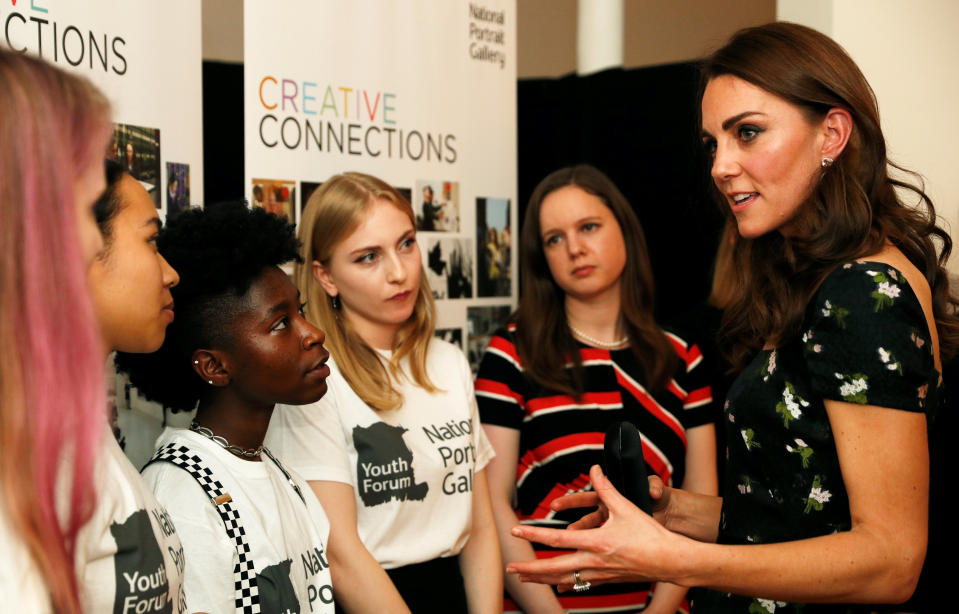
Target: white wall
{"x": 909, "y": 52}
{"x": 223, "y": 31}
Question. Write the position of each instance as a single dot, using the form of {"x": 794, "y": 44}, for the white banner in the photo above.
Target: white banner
{"x": 146, "y": 57}
{"x": 419, "y": 93}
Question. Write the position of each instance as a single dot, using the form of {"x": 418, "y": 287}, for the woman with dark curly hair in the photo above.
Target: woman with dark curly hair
{"x": 839, "y": 314}
{"x": 239, "y": 345}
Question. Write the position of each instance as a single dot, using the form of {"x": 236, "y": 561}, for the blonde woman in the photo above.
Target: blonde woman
{"x": 395, "y": 453}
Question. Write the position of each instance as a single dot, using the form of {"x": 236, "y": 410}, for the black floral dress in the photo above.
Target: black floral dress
{"x": 865, "y": 340}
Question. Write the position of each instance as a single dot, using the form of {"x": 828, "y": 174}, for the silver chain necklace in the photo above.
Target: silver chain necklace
{"x": 226, "y": 445}
{"x": 608, "y": 345}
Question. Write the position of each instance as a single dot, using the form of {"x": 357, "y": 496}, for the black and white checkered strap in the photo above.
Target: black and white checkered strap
{"x": 246, "y": 594}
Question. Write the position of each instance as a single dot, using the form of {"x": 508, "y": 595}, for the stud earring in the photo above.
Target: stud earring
{"x": 209, "y": 381}
{"x": 826, "y": 161}
{"x": 196, "y": 362}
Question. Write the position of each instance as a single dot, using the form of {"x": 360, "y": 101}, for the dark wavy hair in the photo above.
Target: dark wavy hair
{"x": 219, "y": 252}
{"x": 109, "y": 204}
{"x": 853, "y": 209}
{"x": 543, "y": 337}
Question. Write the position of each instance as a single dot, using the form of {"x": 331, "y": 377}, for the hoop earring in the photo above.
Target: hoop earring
{"x": 826, "y": 162}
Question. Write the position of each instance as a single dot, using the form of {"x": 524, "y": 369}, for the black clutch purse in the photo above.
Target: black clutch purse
{"x": 625, "y": 466}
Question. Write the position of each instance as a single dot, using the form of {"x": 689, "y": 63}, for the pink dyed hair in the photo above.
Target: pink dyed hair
{"x": 52, "y": 127}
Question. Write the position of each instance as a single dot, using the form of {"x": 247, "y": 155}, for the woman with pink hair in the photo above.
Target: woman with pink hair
{"x": 79, "y": 530}
{"x": 53, "y": 133}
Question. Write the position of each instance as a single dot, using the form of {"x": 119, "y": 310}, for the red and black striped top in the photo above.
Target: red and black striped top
{"x": 560, "y": 437}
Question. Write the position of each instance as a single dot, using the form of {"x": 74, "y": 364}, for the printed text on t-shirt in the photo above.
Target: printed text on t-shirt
{"x": 448, "y": 438}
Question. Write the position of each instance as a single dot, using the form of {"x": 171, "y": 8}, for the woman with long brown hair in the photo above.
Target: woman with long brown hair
{"x": 581, "y": 352}
{"x": 840, "y": 316}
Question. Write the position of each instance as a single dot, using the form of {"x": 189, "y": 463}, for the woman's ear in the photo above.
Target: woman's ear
{"x": 211, "y": 367}
{"x": 837, "y": 129}
{"x": 321, "y": 273}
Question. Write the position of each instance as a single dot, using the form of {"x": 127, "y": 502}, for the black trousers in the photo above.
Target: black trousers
{"x": 432, "y": 586}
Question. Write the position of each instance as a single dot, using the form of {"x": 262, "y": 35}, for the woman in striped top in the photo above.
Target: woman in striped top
{"x": 582, "y": 351}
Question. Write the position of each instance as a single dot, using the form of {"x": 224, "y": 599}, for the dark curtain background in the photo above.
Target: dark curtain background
{"x": 639, "y": 126}
{"x": 223, "y": 132}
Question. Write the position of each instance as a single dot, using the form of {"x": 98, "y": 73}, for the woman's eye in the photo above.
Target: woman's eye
{"x": 551, "y": 240}
{"x": 709, "y": 146}
{"x": 748, "y": 132}
{"x": 366, "y": 258}
{"x": 281, "y": 324}
{"x": 408, "y": 243}
{"x": 589, "y": 226}
{"x": 302, "y": 308}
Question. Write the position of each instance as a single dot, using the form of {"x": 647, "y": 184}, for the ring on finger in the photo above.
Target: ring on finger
{"x": 578, "y": 585}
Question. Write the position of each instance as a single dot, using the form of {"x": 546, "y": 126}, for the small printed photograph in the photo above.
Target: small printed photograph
{"x": 449, "y": 268}
{"x": 481, "y": 323}
{"x": 493, "y": 242}
{"x": 306, "y": 191}
{"x": 437, "y": 205}
{"x": 137, "y": 149}
{"x": 452, "y": 335}
{"x": 276, "y": 196}
{"x": 177, "y": 187}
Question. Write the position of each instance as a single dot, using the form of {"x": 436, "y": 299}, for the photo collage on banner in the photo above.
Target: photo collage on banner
{"x": 156, "y": 105}
{"x": 435, "y": 117}
{"x": 155, "y": 97}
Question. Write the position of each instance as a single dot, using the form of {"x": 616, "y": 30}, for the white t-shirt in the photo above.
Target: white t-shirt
{"x": 129, "y": 556}
{"x": 287, "y": 538}
{"x": 20, "y": 583}
{"x": 411, "y": 469}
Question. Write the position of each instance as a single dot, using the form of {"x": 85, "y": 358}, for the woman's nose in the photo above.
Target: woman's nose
{"x": 395, "y": 271}
{"x": 725, "y": 165}
{"x": 170, "y": 276}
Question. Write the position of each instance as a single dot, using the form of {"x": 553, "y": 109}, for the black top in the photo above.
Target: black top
{"x": 865, "y": 340}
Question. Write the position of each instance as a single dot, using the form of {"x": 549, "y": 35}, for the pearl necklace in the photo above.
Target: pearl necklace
{"x": 608, "y": 345}
{"x": 226, "y": 445}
